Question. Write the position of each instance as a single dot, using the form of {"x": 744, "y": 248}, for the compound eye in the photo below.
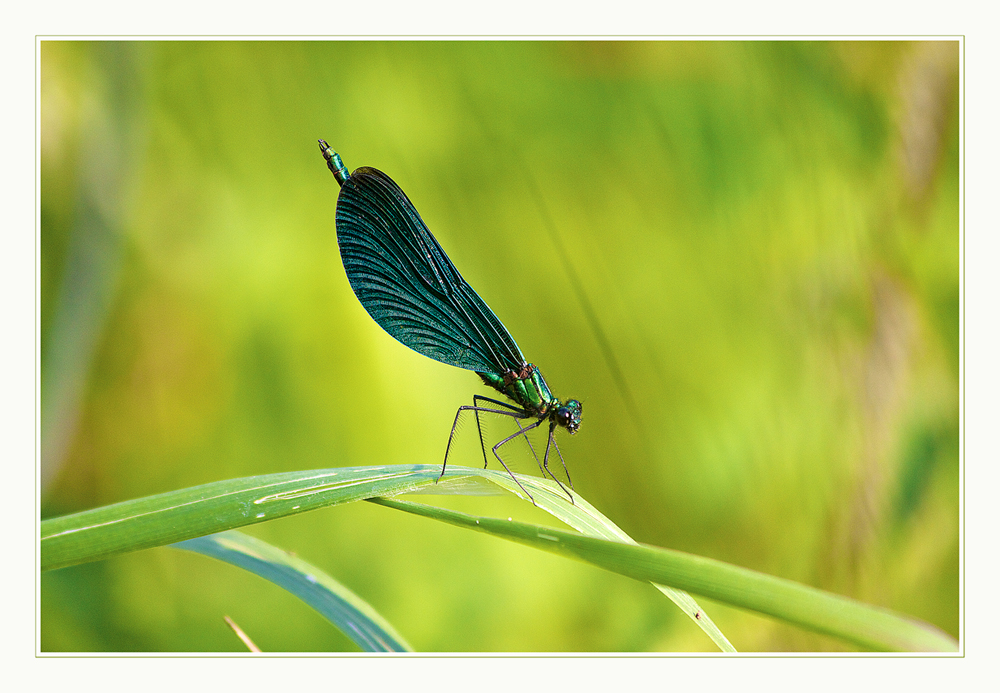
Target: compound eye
{"x": 563, "y": 416}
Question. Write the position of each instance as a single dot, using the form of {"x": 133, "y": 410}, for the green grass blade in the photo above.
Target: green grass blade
{"x": 585, "y": 518}
{"x": 176, "y": 516}
{"x": 342, "y": 607}
{"x": 171, "y": 517}
{"x": 180, "y": 515}
{"x": 867, "y": 626}
{"x": 203, "y": 510}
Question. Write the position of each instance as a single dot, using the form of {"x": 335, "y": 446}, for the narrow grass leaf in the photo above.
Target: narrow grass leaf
{"x": 868, "y": 626}
{"x": 586, "y": 519}
{"x": 342, "y": 607}
{"x": 175, "y": 516}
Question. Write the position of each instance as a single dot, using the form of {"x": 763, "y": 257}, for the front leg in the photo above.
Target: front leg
{"x": 520, "y": 432}
{"x": 548, "y": 446}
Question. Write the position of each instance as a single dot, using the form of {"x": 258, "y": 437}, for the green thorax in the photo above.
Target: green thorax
{"x": 526, "y": 387}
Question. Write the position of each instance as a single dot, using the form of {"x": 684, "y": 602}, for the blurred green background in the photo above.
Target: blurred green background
{"x": 743, "y": 257}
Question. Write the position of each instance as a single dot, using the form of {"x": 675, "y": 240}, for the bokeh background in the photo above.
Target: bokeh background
{"x": 743, "y": 257}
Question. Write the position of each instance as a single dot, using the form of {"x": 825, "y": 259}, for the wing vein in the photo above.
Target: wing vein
{"x": 407, "y": 283}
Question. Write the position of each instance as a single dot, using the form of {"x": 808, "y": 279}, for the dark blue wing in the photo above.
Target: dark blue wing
{"x": 408, "y": 285}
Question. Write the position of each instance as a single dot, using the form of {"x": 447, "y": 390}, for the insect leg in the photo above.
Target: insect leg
{"x": 520, "y": 432}
{"x": 556, "y": 443}
{"x": 479, "y": 427}
{"x": 552, "y": 440}
{"x": 518, "y": 413}
{"x": 519, "y": 410}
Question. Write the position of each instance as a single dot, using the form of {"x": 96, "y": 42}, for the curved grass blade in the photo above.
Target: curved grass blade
{"x": 179, "y": 515}
{"x": 171, "y": 517}
{"x": 350, "y": 613}
{"x": 868, "y": 626}
{"x": 586, "y": 519}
